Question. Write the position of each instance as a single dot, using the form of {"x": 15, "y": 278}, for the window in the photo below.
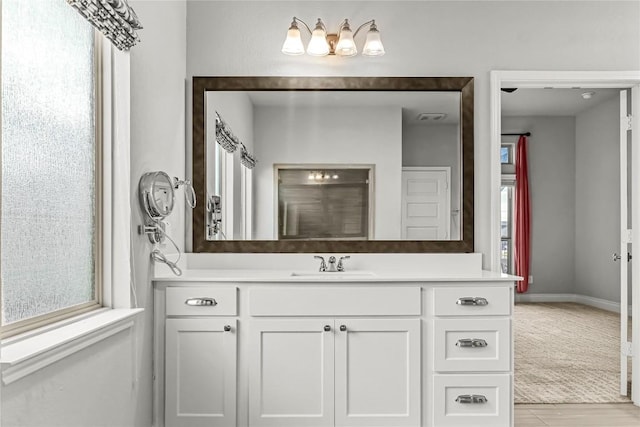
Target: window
{"x": 507, "y": 226}
{"x": 508, "y": 157}
{"x": 50, "y": 219}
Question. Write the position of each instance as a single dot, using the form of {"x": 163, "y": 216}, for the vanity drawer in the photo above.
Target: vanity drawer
{"x": 472, "y": 400}
{"x": 478, "y": 345}
{"x": 472, "y": 301}
{"x": 202, "y": 301}
{"x": 335, "y": 301}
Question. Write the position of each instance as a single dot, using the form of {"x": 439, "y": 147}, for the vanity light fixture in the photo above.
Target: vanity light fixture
{"x": 323, "y": 44}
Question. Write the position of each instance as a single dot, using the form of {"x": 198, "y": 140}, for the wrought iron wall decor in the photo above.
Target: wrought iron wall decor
{"x": 113, "y": 18}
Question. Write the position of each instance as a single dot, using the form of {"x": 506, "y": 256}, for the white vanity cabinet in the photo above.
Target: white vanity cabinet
{"x": 472, "y": 363}
{"x": 200, "y": 357}
{"x": 342, "y": 372}
{"x": 263, "y": 352}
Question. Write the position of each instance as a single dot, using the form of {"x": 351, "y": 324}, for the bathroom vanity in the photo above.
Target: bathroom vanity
{"x": 359, "y": 348}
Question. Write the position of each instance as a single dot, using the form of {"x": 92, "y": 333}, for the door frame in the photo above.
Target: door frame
{"x": 562, "y": 79}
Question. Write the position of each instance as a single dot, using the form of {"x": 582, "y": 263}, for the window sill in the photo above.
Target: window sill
{"x": 23, "y": 356}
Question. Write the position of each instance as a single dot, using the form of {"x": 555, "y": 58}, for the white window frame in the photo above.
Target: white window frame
{"x": 42, "y": 320}
{"x": 31, "y": 351}
{"x": 246, "y": 194}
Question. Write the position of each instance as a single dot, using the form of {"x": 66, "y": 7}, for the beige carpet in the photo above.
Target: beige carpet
{"x": 566, "y": 353}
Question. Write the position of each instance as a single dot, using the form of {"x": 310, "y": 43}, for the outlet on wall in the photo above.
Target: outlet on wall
{"x": 530, "y": 279}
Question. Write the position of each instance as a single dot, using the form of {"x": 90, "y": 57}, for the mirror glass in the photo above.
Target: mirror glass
{"x": 333, "y": 164}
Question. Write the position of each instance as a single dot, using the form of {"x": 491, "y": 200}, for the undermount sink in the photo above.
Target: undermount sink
{"x": 333, "y": 274}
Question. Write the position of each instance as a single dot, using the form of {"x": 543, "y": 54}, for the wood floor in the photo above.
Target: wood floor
{"x": 578, "y": 414}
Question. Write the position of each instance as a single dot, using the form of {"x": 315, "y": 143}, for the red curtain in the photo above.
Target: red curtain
{"x": 523, "y": 216}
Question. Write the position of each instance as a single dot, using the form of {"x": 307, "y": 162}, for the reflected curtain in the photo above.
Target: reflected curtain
{"x": 523, "y": 216}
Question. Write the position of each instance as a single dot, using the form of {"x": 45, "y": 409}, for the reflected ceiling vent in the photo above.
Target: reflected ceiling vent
{"x": 431, "y": 117}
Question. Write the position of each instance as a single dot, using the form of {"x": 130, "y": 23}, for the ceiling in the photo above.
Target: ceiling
{"x": 552, "y": 102}
{"x": 412, "y": 103}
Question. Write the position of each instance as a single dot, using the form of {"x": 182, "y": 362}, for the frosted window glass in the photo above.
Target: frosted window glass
{"x": 48, "y": 159}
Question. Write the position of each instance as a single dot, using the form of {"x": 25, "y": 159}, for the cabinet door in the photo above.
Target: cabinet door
{"x": 377, "y": 372}
{"x": 200, "y": 366}
{"x": 291, "y": 377}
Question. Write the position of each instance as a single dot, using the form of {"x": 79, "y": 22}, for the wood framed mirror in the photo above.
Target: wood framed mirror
{"x": 368, "y": 116}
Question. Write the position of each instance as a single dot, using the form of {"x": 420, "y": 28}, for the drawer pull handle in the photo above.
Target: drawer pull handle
{"x": 471, "y": 342}
{"x": 201, "y": 302}
{"x": 472, "y": 301}
{"x": 471, "y": 398}
{"x": 227, "y": 328}
{"x": 327, "y": 328}
{"x": 343, "y": 328}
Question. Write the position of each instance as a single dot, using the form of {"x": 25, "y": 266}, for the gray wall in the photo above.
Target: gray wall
{"x": 423, "y": 38}
{"x": 552, "y": 188}
{"x": 597, "y": 200}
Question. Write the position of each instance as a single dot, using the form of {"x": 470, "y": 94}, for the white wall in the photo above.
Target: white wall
{"x": 436, "y": 145}
{"x": 552, "y": 172}
{"x": 423, "y": 38}
{"x": 335, "y": 135}
{"x": 158, "y": 66}
{"x": 597, "y": 200}
{"x": 110, "y": 383}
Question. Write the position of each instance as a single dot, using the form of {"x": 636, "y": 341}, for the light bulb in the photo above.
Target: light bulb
{"x": 346, "y": 46}
{"x": 318, "y": 46}
{"x": 373, "y": 46}
{"x": 293, "y": 43}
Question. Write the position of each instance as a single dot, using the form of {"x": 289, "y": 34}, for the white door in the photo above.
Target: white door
{"x": 291, "y": 373}
{"x": 200, "y": 387}
{"x": 633, "y": 136}
{"x": 377, "y": 372}
{"x": 630, "y": 231}
{"x": 426, "y": 205}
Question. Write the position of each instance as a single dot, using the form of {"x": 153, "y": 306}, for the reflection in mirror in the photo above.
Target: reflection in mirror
{"x": 324, "y": 202}
{"x": 411, "y": 141}
{"x": 342, "y": 122}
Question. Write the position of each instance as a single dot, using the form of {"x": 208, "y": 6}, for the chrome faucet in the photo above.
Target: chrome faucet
{"x": 332, "y": 268}
{"x": 323, "y": 265}
{"x": 332, "y": 264}
{"x": 340, "y": 264}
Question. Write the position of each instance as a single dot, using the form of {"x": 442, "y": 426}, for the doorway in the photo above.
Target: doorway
{"x": 586, "y": 82}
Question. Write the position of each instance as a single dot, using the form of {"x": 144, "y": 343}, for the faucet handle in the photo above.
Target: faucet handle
{"x": 340, "y": 264}
{"x": 323, "y": 265}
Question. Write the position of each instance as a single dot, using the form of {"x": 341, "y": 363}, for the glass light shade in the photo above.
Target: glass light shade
{"x": 293, "y": 43}
{"x": 373, "y": 45}
{"x": 346, "y": 46}
{"x": 318, "y": 46}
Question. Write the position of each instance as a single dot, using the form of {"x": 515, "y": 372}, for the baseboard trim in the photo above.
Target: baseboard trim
{"x": 580, "y": 299}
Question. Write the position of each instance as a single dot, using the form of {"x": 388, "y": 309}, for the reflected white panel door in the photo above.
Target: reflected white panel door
{"x": 291, "y": 377}
{"x": 200, "y": 387}
{"x": 426, "y": 203}
{"x": 377, "y": 372}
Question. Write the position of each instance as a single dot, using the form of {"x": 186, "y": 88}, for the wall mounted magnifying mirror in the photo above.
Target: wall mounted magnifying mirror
{"x": 412, "y": 135}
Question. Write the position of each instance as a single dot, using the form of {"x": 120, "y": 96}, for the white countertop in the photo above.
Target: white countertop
{"x": 309, "y": 276}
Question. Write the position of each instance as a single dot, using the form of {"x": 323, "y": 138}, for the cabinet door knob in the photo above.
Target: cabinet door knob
{"x": 471, "y": 398}
{"x": 472, "y": 301}
{"x": 471, "y": 342}
{"x": 201, "y": 301}
{"x": 227, "y": 328}
{"x": 327, "y": 328}
{"x": 343, "y": 328}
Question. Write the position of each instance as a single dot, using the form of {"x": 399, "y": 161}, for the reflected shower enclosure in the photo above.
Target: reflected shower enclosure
{"x": 324, "y": 202}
